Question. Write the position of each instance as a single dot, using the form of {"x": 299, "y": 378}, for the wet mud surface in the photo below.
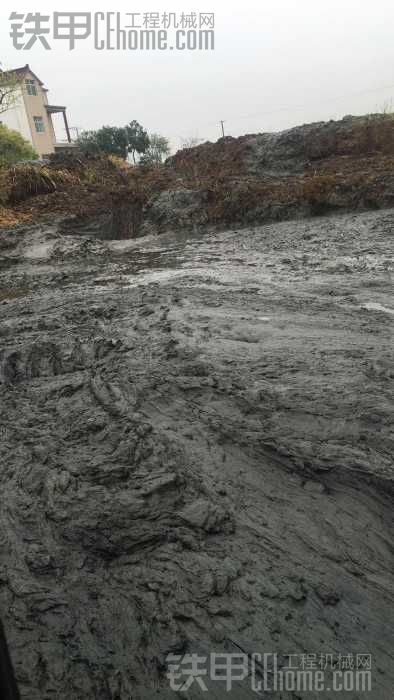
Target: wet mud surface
{"x": 197, "y": 452}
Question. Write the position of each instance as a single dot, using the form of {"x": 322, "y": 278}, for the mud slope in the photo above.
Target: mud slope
{"x": 197, "y": 452}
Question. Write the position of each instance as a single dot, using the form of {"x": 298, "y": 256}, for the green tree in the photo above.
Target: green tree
{"x": 13, "y": 147}
{"x": 87, "y": 142}
{"x": 159, "y": 149}
{"x": 118, "y": 141}
{"x": 137, "y": 139}
{"x": 109, "y": 139}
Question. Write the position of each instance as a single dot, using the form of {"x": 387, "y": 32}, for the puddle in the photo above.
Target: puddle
{"x": 166, "y": 275}
{"x": 41, "y": 251}
{"x": 373, "y": 306}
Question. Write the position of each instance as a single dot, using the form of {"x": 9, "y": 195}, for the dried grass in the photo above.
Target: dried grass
{"x": 24, "y": 181}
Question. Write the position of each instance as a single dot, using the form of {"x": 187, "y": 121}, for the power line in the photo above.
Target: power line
{"x": 303, "y": 106}
{"x": 309, "y": 104}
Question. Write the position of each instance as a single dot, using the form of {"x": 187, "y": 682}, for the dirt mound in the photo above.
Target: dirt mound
{"x": 289, "y": 152}
{"x": 311, "y": 169}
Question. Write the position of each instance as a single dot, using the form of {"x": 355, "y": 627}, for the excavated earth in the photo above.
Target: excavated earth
{"x": 197, "y": 453}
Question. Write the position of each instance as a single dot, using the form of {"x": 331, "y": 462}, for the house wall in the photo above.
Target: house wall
{"x": 16, "y": 118}
{"x": 43, "y": 143}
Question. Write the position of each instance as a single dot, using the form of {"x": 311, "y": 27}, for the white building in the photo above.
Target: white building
{"x": 31, "y": 115}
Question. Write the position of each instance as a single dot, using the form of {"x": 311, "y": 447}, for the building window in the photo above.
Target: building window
{"x": 31, "y": 87}
{"x": 39, "y": 124}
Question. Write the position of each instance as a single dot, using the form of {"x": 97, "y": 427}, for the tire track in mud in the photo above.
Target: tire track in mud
{"x": 179, "y": 474}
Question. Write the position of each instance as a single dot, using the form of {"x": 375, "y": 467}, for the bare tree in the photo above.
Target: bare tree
{"x": 10, "y": 85}
{"x": 190, "y": 142}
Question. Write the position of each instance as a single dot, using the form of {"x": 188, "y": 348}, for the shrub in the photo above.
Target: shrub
{"x": 13, "y": 147}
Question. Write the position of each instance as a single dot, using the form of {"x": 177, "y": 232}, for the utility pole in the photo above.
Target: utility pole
{"x": 222, "y": 123}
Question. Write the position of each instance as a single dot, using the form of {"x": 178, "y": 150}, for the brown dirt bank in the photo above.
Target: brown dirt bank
{"x": 306, "y": 171}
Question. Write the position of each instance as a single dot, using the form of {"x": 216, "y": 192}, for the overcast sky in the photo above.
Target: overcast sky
{"x": 277, "y": 63}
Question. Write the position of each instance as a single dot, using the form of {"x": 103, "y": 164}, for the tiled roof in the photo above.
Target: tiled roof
{"x": 22, "y": 71}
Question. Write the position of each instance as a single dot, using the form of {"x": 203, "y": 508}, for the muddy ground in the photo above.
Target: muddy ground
{"x": 197, "y": 453}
